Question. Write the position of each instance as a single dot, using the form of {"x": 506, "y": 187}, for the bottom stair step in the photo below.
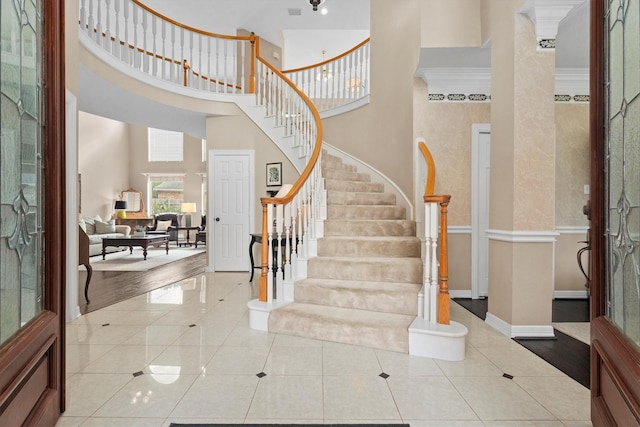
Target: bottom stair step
{"x": 386, "y": 331}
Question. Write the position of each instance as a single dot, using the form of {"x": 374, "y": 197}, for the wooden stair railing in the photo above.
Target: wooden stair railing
{"x": 436, "y": 285}
{"x": 336, "y": 81}
{"x": 152, "y": 43}
{"x": 288, "y": 221}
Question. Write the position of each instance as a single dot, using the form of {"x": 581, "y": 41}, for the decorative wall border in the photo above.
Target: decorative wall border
{"x": 523, "y": 236}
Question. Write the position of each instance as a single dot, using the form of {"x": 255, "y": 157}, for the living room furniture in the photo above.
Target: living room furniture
{"x": 83, "y": 259}
{"x": 131, "y": 241}
{"x": 95, "y": 228}
{"x": 187, "y": 241}
{"x": 132, "y": 222}
{"x": 165, "y": 223}
{"x": 121, "y": 208}
{"x": 201, "y": 235}
{"x": 187, "y": 209}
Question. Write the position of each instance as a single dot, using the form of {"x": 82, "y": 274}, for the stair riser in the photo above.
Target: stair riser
{"x": 363, "y": 248}
{"x": 349, "y": 198}
{"x": 369, "y": 228}
{"x": 365, "y": 212}
{"x": 407, "y": 270}
{"x": 361, "y": 299}
{"x": 342, "y": 332}
{"x": 353, "y": 186}
{"x": 331, "y": 166}
{"x": 346, "y": 176}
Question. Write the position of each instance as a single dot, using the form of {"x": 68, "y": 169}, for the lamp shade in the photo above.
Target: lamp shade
{"x": 188, "y": 207}
{"x": 121, "y": 204}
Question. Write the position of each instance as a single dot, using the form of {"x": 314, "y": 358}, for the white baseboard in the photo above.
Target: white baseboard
{"x": 520, "y": 331}
{"x": 570, "y": 294}
{"x": 460, "y": 293}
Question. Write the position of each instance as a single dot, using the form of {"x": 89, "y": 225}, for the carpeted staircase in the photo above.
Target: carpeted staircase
{"x": 363, "y": 286}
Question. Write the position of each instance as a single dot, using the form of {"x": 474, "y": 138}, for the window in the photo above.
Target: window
{"x": 165, "y": 146}
{"x": 165, "y": 192}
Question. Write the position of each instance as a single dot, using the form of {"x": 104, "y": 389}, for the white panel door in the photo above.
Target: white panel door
{"x": 230, "y": 216}
{"x": 480, "y": 175}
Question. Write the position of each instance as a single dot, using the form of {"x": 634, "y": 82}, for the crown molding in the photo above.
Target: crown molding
{"x": 456, "y": 83}
{"x": 546, "y": 16}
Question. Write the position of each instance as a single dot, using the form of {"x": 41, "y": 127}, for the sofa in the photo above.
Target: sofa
{"x": 96, "y": 228}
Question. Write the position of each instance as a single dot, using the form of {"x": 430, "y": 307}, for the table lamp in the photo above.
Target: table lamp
{"x": 188, "y": 209}
{"x": 121, "y": 208}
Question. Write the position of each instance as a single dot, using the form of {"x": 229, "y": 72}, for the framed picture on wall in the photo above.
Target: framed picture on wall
{"x": 274, "y": 174}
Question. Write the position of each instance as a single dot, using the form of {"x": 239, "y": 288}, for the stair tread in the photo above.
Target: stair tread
{"x": 361, "y": 284}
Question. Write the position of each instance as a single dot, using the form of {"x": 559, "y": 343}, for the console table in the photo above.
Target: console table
{"x": 257, "y": 238}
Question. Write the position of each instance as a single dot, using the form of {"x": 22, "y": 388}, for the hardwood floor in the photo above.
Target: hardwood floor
{"x": 110, "y": 287}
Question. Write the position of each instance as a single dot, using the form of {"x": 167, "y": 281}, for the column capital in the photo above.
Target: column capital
{"x": 546, "y": 16}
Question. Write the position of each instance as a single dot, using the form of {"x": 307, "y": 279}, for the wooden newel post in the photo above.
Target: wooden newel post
{"x": 444, "y": 310}
{"x": 262, "y": 284}
{"x": 185, "y": 67}
{"x": 252, "y": 76}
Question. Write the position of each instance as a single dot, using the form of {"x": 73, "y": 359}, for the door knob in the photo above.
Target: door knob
{"x": 217, "y": 219}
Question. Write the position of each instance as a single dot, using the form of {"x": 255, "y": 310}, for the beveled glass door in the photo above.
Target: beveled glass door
{"x": 31, "y": 212}
{"x": 21, "y": 180}
{"x": 615, "y": 222}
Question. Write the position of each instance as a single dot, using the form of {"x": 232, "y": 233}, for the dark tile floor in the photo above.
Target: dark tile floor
{"x": 566, "y": 353}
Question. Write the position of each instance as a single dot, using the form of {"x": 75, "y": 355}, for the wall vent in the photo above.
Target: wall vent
{"x": 295, "y": 12}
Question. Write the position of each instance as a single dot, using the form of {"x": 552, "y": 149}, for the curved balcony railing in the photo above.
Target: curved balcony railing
{"x": 337, "y": 81}
{"x": 169, "y": 50}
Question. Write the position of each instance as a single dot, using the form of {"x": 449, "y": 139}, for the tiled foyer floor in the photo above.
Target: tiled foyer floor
{"x": 184, "y": 353}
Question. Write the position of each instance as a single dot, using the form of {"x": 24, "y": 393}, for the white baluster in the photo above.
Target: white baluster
{"x": 126, "y": 51}
{"x": 279, "y": 261}
{"x": 270, "y": 252}
{"x": 136, "y": 54}
{"x": 145, "y": 48}
{"x": 117, "y": 47}
{"x": 83, "y": 15}
{"x": 154, "y": 50}
{"x": 107, "y": 31}
{"x": 97, "y": 35}
{"x": 209, "y": 84}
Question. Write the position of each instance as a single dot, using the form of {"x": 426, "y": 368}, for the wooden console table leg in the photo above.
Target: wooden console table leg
{"x": 86, "y": 284}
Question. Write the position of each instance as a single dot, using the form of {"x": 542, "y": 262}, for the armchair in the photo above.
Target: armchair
{"x": 201, "y": 234}
{"x": 166, "y": 223}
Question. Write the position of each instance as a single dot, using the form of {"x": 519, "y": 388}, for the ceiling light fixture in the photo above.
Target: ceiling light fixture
{"x": 315, "y": 4}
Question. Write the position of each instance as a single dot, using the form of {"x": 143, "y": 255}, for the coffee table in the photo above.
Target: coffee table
{"x": 143, "y": 241}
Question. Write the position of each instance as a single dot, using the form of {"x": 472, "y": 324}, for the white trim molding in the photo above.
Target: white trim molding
{"x": 472, "y": 84}
{"x": 572, "y": 83}
{"x": 572, "y": 230}
{"x": 460, "y": 293}
{"x": 523, "y": 236}
{"x": 546, "y": 16}
{"x": 571, "y": 294}
{"x": 459, "y": 229}
{"x": 519, "y": 331}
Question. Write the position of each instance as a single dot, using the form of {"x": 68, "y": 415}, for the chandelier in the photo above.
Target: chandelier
{"x": 324, "y": 74}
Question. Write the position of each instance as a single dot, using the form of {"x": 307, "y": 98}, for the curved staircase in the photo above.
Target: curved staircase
{"x": 362, "y": 287}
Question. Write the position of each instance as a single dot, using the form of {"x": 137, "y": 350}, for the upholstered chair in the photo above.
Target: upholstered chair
{"x": 201, "y": 234}
{"x": 165, "y": 223}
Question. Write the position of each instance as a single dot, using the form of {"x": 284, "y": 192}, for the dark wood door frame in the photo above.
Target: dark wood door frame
{"x": 615, "y": 361}
{"x": 32, "y": 362}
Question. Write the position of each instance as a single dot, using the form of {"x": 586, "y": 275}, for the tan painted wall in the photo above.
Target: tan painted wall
{"x": 567, "y": 273}
{"x": 460, "y": 262}
{"x": 240, "y": 133}
{"x": 532, "y": 284}
{"x": 191, "y": 166}
{"x": 71, "y": 11}
{"x": 451, "y": 23}
{"x": 572, "y": 163}
{"x": 381, "y": 133}
{"x": 103, "y": 159}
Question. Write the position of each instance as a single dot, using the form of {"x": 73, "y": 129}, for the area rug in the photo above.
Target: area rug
{"x": 125, "y": 261}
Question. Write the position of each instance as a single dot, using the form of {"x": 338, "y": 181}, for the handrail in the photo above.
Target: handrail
{"x": 187, "y": 27}
{"x": 431, "y": 169}
{"x": 337, "y": 81}
{"x": 282, "y": 91}
{"x": 335, "y": 58}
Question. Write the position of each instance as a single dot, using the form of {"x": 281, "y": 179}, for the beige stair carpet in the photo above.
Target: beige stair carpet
{"x": 363, "y": 286}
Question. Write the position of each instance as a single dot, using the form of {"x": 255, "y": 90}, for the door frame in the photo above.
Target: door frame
{"x": 615, "y": 365}
{"x": 476, "y": 205}
{"x": 211, "y": 156}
